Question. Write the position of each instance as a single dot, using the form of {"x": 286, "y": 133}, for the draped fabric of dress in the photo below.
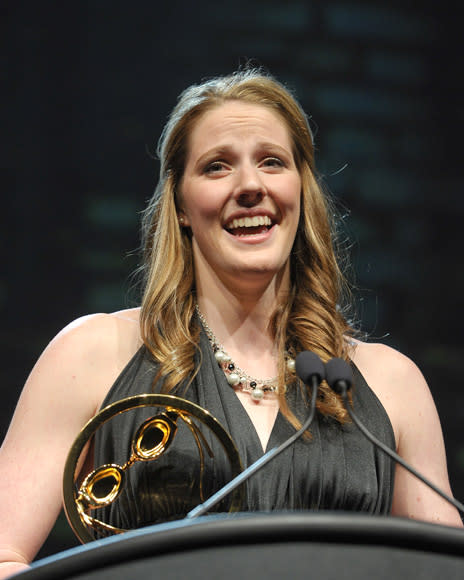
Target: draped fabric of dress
{"x": 335, "y": 469}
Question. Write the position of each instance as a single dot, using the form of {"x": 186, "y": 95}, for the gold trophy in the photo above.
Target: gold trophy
{"x": 142, "y": 480}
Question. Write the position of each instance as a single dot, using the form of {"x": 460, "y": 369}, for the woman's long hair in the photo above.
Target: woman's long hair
{"x": 310, "y": 317}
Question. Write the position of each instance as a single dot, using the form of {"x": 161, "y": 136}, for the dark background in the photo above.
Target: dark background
{"x": 88, "y": 87}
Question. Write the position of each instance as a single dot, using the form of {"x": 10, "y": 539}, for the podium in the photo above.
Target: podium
{"x": 291, "y": 545}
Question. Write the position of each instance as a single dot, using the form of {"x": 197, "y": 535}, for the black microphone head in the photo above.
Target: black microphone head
{"x": 338, "y": 371}
{"x": 307, "y": 365}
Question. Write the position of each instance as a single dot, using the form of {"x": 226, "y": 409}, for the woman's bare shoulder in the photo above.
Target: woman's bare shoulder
{"x": 92, "y": 350}
{"x": 394, "y": 378}
{"x": 102, "y": 322}
{"x": 384, "y": 364}
{"x": 102, "y": 330}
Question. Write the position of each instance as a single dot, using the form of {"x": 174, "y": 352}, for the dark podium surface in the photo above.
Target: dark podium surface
{"x": 277, "y": 545}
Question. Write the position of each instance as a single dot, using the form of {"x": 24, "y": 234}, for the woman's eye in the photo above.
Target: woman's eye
{"x": 273, "y": 162}
{"x": 214, "y": 167}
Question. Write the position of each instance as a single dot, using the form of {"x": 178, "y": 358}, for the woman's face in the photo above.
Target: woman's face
{"x": 240, "y": 192}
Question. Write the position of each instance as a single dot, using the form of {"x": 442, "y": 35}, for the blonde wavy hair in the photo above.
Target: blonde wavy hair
{"x": 310, "y": 317}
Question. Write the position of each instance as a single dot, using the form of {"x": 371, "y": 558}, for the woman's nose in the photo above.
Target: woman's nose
{"x": 250, "y": 189}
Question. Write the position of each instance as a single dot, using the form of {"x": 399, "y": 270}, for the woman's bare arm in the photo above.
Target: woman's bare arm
{"x": 63, "y": 391}
{"x": 403, "y": 391}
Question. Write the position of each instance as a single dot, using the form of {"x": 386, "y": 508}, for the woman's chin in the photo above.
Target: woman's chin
{"x": 253, "y": 272}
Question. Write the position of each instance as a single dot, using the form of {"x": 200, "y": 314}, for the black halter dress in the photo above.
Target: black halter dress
{"x": 335, "y": 469}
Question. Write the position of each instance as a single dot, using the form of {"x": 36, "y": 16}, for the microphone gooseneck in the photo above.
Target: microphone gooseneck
{"x": 310, "y": 369}
{"x": 339, "y": 377}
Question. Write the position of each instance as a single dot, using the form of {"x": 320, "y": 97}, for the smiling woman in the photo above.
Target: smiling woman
{"x": 234, "y": 148}
{"x": 240, "y": 275}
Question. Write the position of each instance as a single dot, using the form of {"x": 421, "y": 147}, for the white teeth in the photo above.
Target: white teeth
{"x": 249, "y": 222}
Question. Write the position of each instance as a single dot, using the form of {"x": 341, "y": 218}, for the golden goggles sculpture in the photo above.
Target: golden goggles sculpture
{"x": 86, "y": 494}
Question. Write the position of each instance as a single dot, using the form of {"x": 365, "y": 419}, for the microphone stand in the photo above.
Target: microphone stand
{"x": 261, "y": 462}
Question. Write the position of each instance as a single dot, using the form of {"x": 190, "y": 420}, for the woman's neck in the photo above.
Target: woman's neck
{"x": 239, "y": 316}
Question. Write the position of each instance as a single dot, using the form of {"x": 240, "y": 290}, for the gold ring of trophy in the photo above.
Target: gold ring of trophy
{"x": 89, "y": 497}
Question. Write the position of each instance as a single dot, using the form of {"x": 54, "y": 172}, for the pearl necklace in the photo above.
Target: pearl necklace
{"x": 235, "y": 376}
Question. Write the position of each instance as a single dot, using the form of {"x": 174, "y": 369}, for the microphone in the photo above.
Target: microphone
{"x": 340, "y": 379}
{"x": 310, "y": 369}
